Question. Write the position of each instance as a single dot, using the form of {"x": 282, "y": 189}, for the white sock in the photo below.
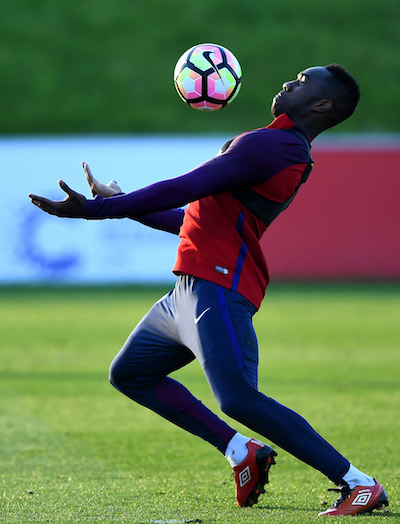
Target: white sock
{"x": 354, "y": 477}
{"x": 236, "y": 451}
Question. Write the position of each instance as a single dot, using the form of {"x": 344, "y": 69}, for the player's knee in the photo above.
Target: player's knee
{"x": 116, "y": 375}
{"x": 231, "y": 406}
{"x": 236, "y": 401}
{"x": 123, "y": 380}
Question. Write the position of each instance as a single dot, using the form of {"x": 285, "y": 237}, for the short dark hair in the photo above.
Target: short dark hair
{"x": 346, "y": 92}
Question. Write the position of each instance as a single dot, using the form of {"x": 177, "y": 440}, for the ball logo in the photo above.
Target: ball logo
{"x": 244, "y": 476}
{"x": 206, "y": 55}
{"x": 362, "y": 498}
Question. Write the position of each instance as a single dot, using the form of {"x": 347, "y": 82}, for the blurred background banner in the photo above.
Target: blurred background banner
{"x": 39, "y": 247}
{"x": 93, "y": 81}
{"x": 346, "y": 221}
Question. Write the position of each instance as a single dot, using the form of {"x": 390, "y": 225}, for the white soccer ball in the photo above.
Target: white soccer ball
{"x": 208, "y": 77}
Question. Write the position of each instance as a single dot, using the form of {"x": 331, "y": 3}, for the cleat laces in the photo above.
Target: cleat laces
{"x": 345, "y": 493}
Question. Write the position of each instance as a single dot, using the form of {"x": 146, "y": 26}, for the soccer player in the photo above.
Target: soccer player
{"x": 221, "y": 280}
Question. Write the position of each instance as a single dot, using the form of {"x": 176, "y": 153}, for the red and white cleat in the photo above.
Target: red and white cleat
{"x": 356, "y": 501}
{"x": 251, "y": 475}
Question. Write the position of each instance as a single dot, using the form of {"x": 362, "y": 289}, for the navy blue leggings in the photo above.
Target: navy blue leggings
{"x": 202, "y": 320}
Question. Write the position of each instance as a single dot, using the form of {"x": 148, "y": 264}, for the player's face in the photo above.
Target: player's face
{"x": 298, "y": 96}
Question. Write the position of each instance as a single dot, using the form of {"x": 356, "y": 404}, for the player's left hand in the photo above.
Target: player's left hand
{"x": 73, "y": 205}
{"x": 97, "y": 188}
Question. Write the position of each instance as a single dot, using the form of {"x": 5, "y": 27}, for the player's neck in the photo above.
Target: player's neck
{"x": 311, "y": 129}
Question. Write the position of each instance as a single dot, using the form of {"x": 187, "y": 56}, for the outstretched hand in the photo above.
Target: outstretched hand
{"x": 97, "y": 188}
{"x": 73, "y": 205}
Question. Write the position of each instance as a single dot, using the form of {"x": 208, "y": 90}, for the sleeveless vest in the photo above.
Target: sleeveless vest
{"x": 262, "y": 207}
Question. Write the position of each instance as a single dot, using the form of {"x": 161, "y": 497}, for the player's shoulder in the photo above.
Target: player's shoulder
{"x": 269, "y": 135}
{"x": 283, "y": 135}
{"x": 262, "y": 139}
{"x": 287, "y": 142}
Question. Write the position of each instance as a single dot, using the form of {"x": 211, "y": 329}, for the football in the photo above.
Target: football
{"x": 208, "y": 77}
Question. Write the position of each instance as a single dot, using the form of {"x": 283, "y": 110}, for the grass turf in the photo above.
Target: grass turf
{"x": 72, "y": 449}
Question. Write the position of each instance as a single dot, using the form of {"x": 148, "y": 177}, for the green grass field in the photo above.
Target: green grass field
{"x": 73, "y": 449}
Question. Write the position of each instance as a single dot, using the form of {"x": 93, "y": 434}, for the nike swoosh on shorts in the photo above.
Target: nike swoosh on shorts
{"x": 197, "y": 319}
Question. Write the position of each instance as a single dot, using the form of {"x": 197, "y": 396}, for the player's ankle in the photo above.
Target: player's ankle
{"x": 354, "y": 477}
{"x": 236, "y": 450}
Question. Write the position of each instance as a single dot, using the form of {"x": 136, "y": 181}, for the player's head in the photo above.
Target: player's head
{"x": 324, "y": 96}
{"x": 345, "y": 92}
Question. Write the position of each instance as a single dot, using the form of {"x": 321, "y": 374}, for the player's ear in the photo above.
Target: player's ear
{"x": 323, "y": 105}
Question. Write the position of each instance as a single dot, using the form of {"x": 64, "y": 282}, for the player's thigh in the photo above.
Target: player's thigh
{"x": 153, "y": 349}
{"x": 216, "y": 323}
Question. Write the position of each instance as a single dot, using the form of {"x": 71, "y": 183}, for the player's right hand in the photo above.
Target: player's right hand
{"x": 73, "y": 205}
{"x": 97, "y": 188}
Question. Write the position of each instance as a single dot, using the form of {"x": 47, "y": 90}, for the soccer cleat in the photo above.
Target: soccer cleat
{"x": 356, "y": 501}
{"x": 252, "y": 473}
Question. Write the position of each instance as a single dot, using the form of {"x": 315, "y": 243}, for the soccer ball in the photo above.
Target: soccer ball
{"x": 207, "y": 77}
